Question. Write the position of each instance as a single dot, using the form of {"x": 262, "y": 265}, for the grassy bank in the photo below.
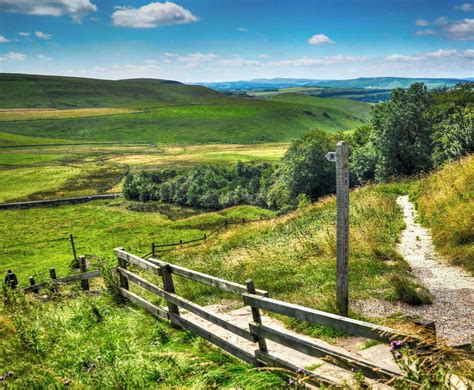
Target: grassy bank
{"x": 33, "y": 240}
{"x": 445, "y": 203}
{"x": 91, "y": 342}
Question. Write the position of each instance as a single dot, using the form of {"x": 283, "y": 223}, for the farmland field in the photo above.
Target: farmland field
{"x": 19, "y": 114}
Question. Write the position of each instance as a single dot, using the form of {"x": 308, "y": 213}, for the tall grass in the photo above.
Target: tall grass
{"x": 445, "y": 201}
{"x": 90, "y": 342}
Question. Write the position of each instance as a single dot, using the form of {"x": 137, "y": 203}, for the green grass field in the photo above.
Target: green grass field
{"x": 55, "y": 171}
{"x": 167, "y": 113}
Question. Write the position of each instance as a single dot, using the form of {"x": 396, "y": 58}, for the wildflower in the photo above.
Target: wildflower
{"x": 398, "y": 355}
{"x": 1, "y": 378}
{"x": 9, "y": 373}
{"x": 395, "y": 344}
{"x": 291, "y": 382}
{"x": 299, "y": 370}
{"x": 67, "y": 382}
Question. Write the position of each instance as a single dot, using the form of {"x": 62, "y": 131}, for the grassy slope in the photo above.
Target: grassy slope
{"x": 98, "y": 227}
{"x": 90, "y": 342}
{"x": 171, "y": 112}
{"x": 445, "y": 200}
{"x": 93, "y": 342}
{"x": 72, "y": 170}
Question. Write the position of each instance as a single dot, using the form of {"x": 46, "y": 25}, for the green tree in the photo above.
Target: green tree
{"x": 304, "y": 170}
{"x": 402, "y": 133}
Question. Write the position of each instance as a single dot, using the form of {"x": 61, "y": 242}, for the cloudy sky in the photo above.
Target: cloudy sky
{"x": 217, "y": 40}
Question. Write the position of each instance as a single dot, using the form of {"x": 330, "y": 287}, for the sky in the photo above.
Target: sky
{"x": 224, "y": 40}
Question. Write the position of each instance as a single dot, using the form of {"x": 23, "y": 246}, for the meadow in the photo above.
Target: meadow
{"x": 55, "y": 171}
{"x": 157, "y": 111}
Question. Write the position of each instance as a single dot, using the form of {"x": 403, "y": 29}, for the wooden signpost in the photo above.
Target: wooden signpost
{"x": 341, "y": 158}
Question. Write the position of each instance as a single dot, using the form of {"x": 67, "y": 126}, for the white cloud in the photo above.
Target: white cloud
{"x": 243, "y": 29}
{"x": 422, "y": 23}
{"x": 264, "y": 56}
{"x": 152, "y": 15}
{"x": 315, "y": 61}
{"x": 170, "y": 55}
{"x": 466, "y": 7}
{"x": 24, "y": 34}
{"x": 425, "y": 32}
{"x": 441, "y": 21}
{"x": 462, "y": 30}
{"x": 404, "y": 58}
{"x": 238, "y": 61}
{"x": 196, "y": 60}
{"x": 41, "y": 57}
{"x": 14, "y": 56}
{"x": 3, "y": 39}
{"x": 43, "y": 35}
{"x": 441, "y": 54}
{"x": 319, "y": 39}
{"x": 77, "y": 9}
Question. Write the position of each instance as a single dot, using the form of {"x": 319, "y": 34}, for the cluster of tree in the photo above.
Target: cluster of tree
{"x": 302, "y": 174}
{"x": 415, "y": 131}
{"x": 205, "y": 187}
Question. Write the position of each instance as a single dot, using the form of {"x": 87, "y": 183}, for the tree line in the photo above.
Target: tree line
{"x": 413, "y": 132}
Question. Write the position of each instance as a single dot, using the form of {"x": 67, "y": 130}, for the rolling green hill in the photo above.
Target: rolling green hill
{"x": 163, "y": 112}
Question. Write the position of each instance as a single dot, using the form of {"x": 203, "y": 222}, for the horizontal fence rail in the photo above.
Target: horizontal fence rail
{"x": 257, "y": 333}
{"x": 345, "y": 324}
{"x": 213, "y": 281}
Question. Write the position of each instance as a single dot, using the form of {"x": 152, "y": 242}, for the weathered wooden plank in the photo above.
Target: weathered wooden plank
{"x": 168, "y": 286}
{"x": 155, "y": 310}
{"x": 349, "y": 325}
{"x": 142, "y": 263}
{"x": 216, "y": 340}
{"x": 82, "y": 276}
{"x": 312, "y": 377}
{"x": 345, "y": 359}
{"x": 210, "y": 280}
{"x": 67, "y": 279}
{"x": 186, "y": 304}
{"x": 262, "y": 345}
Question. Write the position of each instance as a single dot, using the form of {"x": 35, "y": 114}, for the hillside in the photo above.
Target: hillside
{"x": 153, "y": 111}
{"x": 445, "y": 201}
{"x": 362, "y": 82}
{"x": 32, "y": 91}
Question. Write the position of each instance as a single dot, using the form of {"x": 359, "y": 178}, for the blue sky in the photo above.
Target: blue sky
{"x": 216, "y": 40}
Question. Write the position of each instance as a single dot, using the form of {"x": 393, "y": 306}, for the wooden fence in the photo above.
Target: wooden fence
{"x": 257, "y": 332}
{"x": 183, "y": 244}
{"x": 83, "y": 276}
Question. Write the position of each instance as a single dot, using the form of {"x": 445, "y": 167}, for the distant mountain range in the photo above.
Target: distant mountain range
{"x": 362, "y": 82}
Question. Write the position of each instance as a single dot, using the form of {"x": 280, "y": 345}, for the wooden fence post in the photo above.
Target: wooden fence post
{"x": 168, "y": 286}
{"x": 123, "y": 280}
{"x": 32, "y": 283}
{"x": 71, "y": 238}
{"x": 257, "y": 318}
{"x": 341, "y": 158}
{"x": 52, "y": 273}
{"x": 153, "y": 249}
{"x": 342, "y": 187}
{"x": 83, "y": 266}
{"x": 53, "y": 276}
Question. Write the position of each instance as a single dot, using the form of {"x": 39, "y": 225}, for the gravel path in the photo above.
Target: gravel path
{"x": 452, "y": 287}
